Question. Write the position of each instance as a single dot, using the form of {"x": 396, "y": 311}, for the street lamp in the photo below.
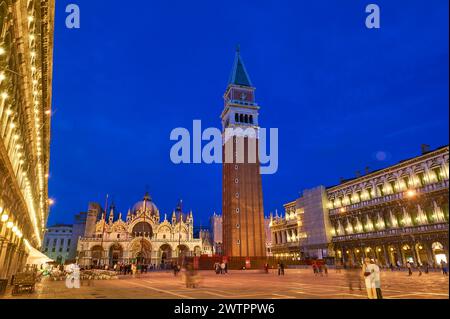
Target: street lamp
{"x": 411, "y": 193}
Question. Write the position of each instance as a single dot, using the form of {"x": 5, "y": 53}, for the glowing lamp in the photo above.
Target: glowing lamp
{"x": 411, "y": 193}
{"x": 9, "y": 225}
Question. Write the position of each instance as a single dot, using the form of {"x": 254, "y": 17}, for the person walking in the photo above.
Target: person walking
{"x": 325, "y": 269}
{"x": 377, "y": 280}
{"x": 279, "y": 268}
{"x": 444, "y": 268}
{"x": 368, "y": 270}
{"x": 408, "y": 266}
{"x": 338, "y": 267}
{"x": 282, "y": 269}
{"x": 352, "y": 275}
{"x": 314, "y": 267}
{"x": 266, "y": 268}
{"x": 222, "y": 268}
{"x": 217, "y": 268}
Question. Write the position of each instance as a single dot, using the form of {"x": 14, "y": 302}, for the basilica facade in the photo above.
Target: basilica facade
{"x": 144, "y": 237}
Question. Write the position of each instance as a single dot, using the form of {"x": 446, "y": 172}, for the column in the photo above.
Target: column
{"x": 429, "y": 251}
{"x": 416, "y": 257}
{"x": 3, "y": 253}
{"x": 399, "y": 254}
{"x": 387, "y": 260}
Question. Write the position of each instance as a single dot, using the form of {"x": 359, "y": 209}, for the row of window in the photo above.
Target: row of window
{"x": 391, "y": 187}
{"x": 59, "y": 250}
{"x": 55, "y": 241}
{"x": 243, "y": 118}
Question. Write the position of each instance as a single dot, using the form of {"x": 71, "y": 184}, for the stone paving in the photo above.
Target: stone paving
{"x": 296, "y": 284}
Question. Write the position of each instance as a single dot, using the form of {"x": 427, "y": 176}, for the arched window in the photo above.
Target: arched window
{"x": 142, "y": 229}
{"x": 236, "y": 117}
{"x": 242, "y": 118}
{"x": 251, "y": 119}
{"x": 246, "y": 118}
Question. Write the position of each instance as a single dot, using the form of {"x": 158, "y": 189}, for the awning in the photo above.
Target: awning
{"x": 35, "y": 257}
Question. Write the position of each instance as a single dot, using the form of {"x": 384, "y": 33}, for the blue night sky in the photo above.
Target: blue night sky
{"x": 339, "y": 93}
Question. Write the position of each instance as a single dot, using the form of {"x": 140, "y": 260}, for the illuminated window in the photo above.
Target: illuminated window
{"x": 392, "y": 185}
{"x": 421, "y": 179}
{"x": 380, "y": 190}
{"x": 438, "y": 173}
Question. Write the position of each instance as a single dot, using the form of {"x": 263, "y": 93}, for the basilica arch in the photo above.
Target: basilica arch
{"x": 115, "y": 253}
{"x": 182, "y": 250}
{"x": 97, "y": 254}
{"x": 165, "y": 252}
{"x": 140, "y": 250}
{"x": 143, "y": 229}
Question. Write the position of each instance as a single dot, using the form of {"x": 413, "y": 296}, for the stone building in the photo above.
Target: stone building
{"x": 395, "y": 214}
{"x": 58, "y": 243}
{"x": 302, "y": 232}
{"x": 26, "y": 64}
{"x": 144, "y": 237}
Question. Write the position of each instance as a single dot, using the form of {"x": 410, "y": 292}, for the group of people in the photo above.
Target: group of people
{"x": 221, "y": 268}
{"x": 370, "y": 272}
{"x": 421, "y": 267}
{"x": 320, "y": 269}
{"x": 280, "y": 268}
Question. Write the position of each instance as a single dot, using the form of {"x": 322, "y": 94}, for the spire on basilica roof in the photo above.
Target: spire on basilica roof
{"x": 239, "y": 75}
{"x": 111, "y": 212}
{"x": 147, "y": 197}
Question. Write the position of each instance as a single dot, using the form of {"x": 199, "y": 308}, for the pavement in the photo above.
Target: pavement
{"x": 241, "y": 284}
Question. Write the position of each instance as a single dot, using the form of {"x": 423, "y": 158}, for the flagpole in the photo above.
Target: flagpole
{"x": 104, "y": 223}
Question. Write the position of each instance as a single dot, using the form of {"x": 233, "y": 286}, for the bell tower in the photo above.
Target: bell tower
{"x": 242, "y": 202}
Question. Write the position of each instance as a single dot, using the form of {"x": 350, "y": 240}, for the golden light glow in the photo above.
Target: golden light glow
{"x": 411, "y": 193}
{"x": 9, "y": 225}
{"x": 5, "y": 217}
{"x": 2, "y": 51}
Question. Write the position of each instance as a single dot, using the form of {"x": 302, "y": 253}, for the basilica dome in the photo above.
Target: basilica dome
{"x": 146, "y": 203}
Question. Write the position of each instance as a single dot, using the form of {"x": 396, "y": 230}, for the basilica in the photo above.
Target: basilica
{"x": 144, "y": 237}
